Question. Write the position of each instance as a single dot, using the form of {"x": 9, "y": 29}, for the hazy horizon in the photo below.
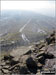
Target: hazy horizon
{"x": 41, "y": 7}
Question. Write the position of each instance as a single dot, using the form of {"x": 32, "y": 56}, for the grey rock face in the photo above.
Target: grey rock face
{"x": 30, "y": 60}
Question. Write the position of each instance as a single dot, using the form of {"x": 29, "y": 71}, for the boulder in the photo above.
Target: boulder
{"x": 29, "y": 52}
{"x": 3, "y": 63}
{"x": 6, "y": 67}
{"x": 42, "y": 60}
{"x": 39, "y": 64}
{"x": 13, "y": 62}
{"x": 19, "y": 51}
{"x": 5, "y": 71}
{"x": 41, "y": 45}
{"x": 41, "y": 53}
{"x": 31, "y": 64}
{"x": 24, "y": 58}
{"x": 38, "y": 57}
{"x": 51, "y": 39}
{"x": 51, "y": 44}
{"x": 37, "y": 44}
{"x": 54, "y": 66}
{"x": 24, "y": 70}
{"x": 43, "y": 49}
{"x": 42, "y": 41}
{"x": 7, "y": 57}
{"x": 7, "y": 62}
{"x": 53, "y": 34}
{"x": 0, "y": 67}
{"x": 32, "y": 49}
{"x": 15, "y": 59}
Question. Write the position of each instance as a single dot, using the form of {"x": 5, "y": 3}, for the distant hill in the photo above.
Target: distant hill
{"x": 12, "y": 21}
{"x": 37, "y": 28}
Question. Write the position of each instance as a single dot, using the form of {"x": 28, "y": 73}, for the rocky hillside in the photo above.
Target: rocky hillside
{"x": 32, "y": 59}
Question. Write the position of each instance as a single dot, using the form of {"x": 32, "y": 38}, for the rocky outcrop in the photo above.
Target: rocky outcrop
{"x": 32, "y": 60}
